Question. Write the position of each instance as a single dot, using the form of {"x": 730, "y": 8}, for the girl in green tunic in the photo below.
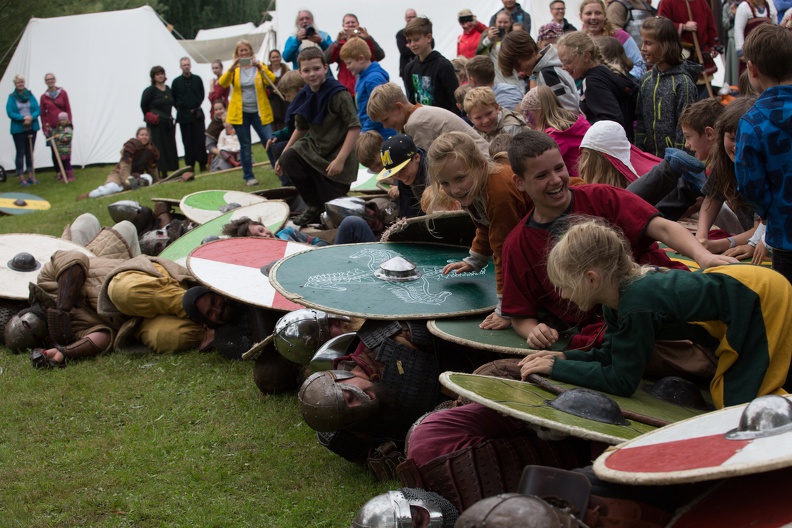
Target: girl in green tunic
{"x": 742, "y": 312}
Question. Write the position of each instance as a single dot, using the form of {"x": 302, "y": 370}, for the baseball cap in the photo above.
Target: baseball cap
{"x": 395, "y": 153}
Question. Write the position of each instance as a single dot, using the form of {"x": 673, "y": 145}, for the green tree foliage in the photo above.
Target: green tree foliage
{"x": 186, "y": 16}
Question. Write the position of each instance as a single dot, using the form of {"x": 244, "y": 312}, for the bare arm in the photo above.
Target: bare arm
{"x": 676, "y": 236}
{"x": 337, "y": 165}
{"x": 537, "y": 335}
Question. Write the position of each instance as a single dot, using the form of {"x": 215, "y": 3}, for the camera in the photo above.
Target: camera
{"x": 310, "y": 31}
{"x": 465, "y": 18}
{"x": 501, "y": 32}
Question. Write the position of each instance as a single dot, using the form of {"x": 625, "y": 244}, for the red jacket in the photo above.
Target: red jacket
{"x": 467, "y": 43}
{"x": 676, "y": 11}
{"x": 50, "y": 108}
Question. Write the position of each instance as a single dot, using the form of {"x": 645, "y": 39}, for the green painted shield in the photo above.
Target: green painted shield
{"x": 341, "y": 279}
{"x": 466, "y": 331}
{"x": 528, "y": 402}
{"x": 203, "y": 206}
{"x": 273, "y": 214}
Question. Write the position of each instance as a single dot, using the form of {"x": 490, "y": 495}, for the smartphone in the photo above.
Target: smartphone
{"x": 501, "y": 31}
{"x": 245, "y": 61}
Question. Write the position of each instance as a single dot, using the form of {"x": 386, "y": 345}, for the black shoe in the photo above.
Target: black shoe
{"x": 311, "y": 214}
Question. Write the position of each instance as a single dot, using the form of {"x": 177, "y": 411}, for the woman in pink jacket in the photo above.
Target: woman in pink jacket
{"x": 54, "y": 101}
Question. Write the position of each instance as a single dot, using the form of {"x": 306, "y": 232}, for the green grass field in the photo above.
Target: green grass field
{"x": 155, "y": 441}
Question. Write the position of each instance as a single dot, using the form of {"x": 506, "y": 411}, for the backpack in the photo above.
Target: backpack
{"x": 635, "y": 19}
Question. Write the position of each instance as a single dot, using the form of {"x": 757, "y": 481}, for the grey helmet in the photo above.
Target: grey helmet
{"x": 394, "y": 509}
{"x": 153, "y": 242}
{"x": 141, "y": 216}
{"x": 324, "y": 407}
{"x": 26, "y": 330}
{"x": 333, "y": 349}
{"x": 299, "y": 334}
{"x": 515, "y": 509}
{"x": 340, "y": 208}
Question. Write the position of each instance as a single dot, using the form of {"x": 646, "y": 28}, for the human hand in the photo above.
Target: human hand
{"x": 27, "y": 120}
{"x": 495, "y": 322}
{"x": 256, "y": 64}
{"x": 457, "y": 267}
{"x": 541, "y": 336}
{"x": 301, "y": 34}
{"x": 743, "y": 251}
{"x": 277, "y": 168}
{"x": 492, "y": 33}
{"x": 343, "y": 35}
{"x": 716, "y": 260}
{"x": 760, "y": 252}
{"x": 270, "y": 142}
{"x": 234, "y": 64}
{"x": 363, "y": 33}
{"x": 335, "y": 167}
{"x": 315, "y": 38}
{"x": 539, "y": 363}
{"x": 691, "y": 26}
{"x": 713, "y": 53}
{"x": 393, "y": 192}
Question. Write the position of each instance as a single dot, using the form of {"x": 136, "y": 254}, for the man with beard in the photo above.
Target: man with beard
{"x": 363, "y": 408}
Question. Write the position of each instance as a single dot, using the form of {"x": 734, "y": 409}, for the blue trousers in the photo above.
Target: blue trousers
{"x": 250, "y": 119}
{"x": 354, "y": 230}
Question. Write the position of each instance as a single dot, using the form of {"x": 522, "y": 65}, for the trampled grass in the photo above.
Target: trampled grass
{"x": 158, "y": 440}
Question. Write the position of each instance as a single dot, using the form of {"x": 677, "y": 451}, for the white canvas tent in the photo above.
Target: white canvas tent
{"x": 384, "y": 19}
{"x": 219, "y": 43}
{"x": 103, "y": 63}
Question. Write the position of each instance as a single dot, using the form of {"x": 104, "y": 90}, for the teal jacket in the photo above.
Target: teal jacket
{"x": 17, "y": 119}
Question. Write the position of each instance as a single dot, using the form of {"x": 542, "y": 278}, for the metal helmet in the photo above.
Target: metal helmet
{"x": 141, "y": 216}
{"x": 299, "y": 334}
{"x": 340, "y": 208}
{"x": 394, "y": 509}
{"x": 334, "y": 348}
{"x": 124, "y": 210}
{"x": 153, "y": 242}
{"x": 324, "y": 407}
{"x": 514, "y": 509}
{"x": 24, "y": 331}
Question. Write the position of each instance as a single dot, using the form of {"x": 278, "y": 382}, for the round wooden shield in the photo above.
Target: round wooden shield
{"x": 232, "y": 266}
{"x": 202, "y": 206}
{"x": 175, "y": 175}
{"x": 343, "y": 279}
{"x": 466, "y": 331}
{"x": 450, "y": 227}
{"x": 528, "y": 402}
{"x": 366, "y": 182}
{"x": 694, "y": 450}
{"x": 17, "y": 203}
{"x": 758, "y": 501}
{"x": 271, "y": 214}
{"x": 15, "y": 283}
{"x": 171, "y": 201}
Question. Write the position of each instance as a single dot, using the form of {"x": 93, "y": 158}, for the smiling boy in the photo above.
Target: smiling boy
{"x": 429, "y": 79}
{"x": 489, "y": 118}
{"x": 405, "y": 163}
{"x": 319, "y": 158}
{"x": 527, "y": 292}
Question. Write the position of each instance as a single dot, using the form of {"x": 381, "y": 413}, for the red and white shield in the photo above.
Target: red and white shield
{"x": 233, "y": 267}
{"x": 694, "y": 450}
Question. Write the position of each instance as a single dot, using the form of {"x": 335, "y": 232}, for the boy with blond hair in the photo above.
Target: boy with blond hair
{"x": 429, "y": 78}
{"x": 489, "y": 118}
{"x": 424, "y": 124}
{"x": 357, "y": 57}
{"x": 367, "y": 150}
{"x": 763, "y": 157}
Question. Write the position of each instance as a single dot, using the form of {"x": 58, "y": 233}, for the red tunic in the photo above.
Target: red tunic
{"x": 528, "y": 292}
{"x": 676, "y": 11}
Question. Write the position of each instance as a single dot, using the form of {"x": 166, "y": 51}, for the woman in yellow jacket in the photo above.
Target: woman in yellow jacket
{"x": 249, "y": 105}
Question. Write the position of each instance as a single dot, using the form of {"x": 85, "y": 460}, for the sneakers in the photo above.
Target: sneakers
{"x": 310, "y": 215}
{"x": 251, "y": 182}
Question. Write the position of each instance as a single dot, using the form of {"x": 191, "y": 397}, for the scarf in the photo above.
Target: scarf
{"x": 23, "y": 96}
{"x": 312, "y": 106}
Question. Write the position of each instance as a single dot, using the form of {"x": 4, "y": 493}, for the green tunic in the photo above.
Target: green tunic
{"x": 325, "y": 139}
{"x": 742, "y": 311}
